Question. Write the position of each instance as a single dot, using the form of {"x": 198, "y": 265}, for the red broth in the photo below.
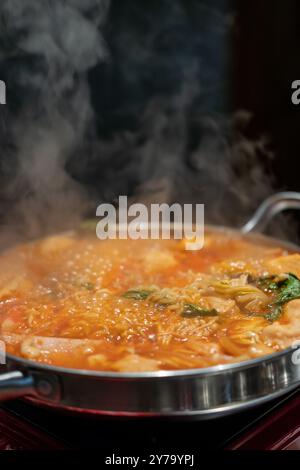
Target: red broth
{"x": 143, "y": 305}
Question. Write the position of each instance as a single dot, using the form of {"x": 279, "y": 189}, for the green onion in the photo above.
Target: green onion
{"x": 137, "y": 294}
{"x": 192, "y": 310}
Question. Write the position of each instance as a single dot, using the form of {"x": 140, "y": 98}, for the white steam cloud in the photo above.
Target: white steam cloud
{"x": 65, "y": 41}
{"x": 178, "y": 153}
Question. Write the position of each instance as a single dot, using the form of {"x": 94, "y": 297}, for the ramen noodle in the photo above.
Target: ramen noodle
{"x": 74, "y": 301}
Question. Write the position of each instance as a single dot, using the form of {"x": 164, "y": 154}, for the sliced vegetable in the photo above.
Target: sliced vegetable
{"x": 248, "y": 296}
{"x": 137, "y": 294}
{"x": 238, "y": 287}
{"x": 192, "y": 310}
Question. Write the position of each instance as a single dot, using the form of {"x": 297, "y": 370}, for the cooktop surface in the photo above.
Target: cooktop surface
{"x": 275, "y": 425}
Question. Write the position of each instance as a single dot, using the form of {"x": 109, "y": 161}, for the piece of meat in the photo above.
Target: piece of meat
{"x": 284, "y": 264}
{"x": 155, "y": 260}
{"x": 56, "y": 243}
{"x": 32, "y": 347}
{"x": 136, "y": 363}
{"x": 220, "y": 304}
{"x": 284, "y": 334}
{"x": 17, "y": 284}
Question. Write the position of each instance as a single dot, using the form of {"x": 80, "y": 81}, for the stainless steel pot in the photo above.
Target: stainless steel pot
{"x": 207, "y": 393}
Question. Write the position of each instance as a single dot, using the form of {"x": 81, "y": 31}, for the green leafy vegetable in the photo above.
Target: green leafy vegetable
{"x": 289, "y": 289}
{"x": 137, "y": 294}
{"x": 286, "y": 289}
{"x": 192, "y": 310}
{"x": 274, "y": 312}
{"x": 267, "y": 283}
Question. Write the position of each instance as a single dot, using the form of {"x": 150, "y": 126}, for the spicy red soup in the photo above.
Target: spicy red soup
{"x": 144, "y": 305}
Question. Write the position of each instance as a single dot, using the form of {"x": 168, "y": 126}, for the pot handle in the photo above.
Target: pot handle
{"x": 272, "y": 206}
{"x": 15, "y": 384}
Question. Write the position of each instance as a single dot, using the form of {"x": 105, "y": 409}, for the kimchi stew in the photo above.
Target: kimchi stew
{"x": 72, "y": 300}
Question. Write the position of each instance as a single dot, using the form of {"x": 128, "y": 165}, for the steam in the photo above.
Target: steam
{"x": 226, "y": 171}
{"x": 179, "y": 151}
{"x": 55, "y": 43}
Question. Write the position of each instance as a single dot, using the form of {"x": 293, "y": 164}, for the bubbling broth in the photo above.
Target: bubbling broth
{"x": 72, "y": 300}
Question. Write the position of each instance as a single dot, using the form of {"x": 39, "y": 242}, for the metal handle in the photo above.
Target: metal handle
{"x": 15, "y": 384}
{"x": 272, "y": 206}
{"x": 44, "y": 386}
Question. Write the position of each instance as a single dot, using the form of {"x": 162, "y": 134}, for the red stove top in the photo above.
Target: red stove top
{"x": 18, "y": 434}
{"x": 275, "y": 426}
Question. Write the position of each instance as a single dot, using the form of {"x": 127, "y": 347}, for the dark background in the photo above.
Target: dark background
{"x": 240, "y": 55}
{"x": 265, "y": 62}
{"x": 252, "y": 69}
